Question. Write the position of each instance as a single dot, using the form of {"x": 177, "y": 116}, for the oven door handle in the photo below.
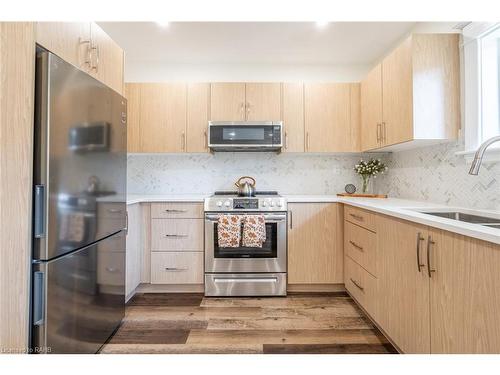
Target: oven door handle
{"x": 246, "y": 279}
{"x": 267, "y": 218}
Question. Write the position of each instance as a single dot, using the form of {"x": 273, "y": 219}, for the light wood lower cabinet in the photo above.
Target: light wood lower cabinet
{"x": 175, "y": 210}
{"x": 177, "y": 268}
{"x": 315, "y": 238}
{"x": 177, "y": 234}
{"x": 465, "y": 294}
{"x": 361, "y": 284}
{"x": 436, "y": 291}
{"x": 360, "y": 245}
{"x": 135, "y": 246}
{"x": 403, "y": 290}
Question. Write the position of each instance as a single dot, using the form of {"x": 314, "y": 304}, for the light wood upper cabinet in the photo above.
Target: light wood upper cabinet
{"x": 163, "y": 117}
{"x": 371, "y": 109}
{"x": 106, "y": 59}
{"x": 133, "y": 95}
{"x": 263, "y": 101}
{"x": 68, "y": 40}
{"x": 465, "y": 294}
{"x": 403, "y": 291}
{"x": 245, "y": 102}
{"x": 397, "y": 95}
{"x": 227, "y": 102}
{"x": 198, "y": 106}
{"x": 418, "y": 88}
{"x": 293, "y": 117}
{"x": 315, "y": 253}
{"x": 328, "y": 118}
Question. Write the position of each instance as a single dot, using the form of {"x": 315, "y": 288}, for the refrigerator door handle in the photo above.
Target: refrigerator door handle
{"x": 38, "y": 298}
{"x": 39, "y": 214}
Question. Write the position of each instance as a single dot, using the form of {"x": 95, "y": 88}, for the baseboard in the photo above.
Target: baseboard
{"x": 315, "y": 288}
{"x": 170, "y": 288}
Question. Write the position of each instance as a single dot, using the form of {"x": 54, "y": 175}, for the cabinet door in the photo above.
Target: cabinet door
{"x": 371, "y": 109}
{"x": 263, "y": 101}
{"x": 403, "y": 290}
{"x": 107, "y": 59}
{"x": 465, "y": 294}
{"x": 328, "y": 117}
{"x": 315, "y": 254}
{"x": 134, "y": 249}
{"x": 397, "y": 95}
{"x": 198, "y": 95}
{"x": 227, "y": 102}
{"x": 163, "y": 117}
{"x": 293, "y": 117}
{"x": 68, "y": 40}
{"x": 133, "y": 95}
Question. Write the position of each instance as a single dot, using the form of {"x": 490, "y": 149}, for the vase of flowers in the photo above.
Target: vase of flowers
{"x": 369, "y": 169}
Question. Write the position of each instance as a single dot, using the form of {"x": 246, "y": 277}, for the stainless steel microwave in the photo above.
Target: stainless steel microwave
{"x": 245, "y": 135}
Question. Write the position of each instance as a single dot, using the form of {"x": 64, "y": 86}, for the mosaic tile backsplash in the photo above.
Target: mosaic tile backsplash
{"x": 436, "y": 174}
{"x": 205, "y": 173}
{"x": 432, "y": 174}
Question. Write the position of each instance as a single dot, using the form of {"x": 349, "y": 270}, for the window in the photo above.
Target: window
{"x": 490, "y": 84}
{"x": 481, "y": 56}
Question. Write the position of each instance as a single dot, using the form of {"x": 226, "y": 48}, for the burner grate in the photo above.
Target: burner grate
{"x": 236, "y": 193}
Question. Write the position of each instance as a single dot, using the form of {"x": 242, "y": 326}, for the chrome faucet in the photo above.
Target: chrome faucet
{"x": 478, "y": 157}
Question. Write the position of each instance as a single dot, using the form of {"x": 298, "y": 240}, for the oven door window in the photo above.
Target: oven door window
{"x": 242, "y": 135}
{"x": 269, "y": 248}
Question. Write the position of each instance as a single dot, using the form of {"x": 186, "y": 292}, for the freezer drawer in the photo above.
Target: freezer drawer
{"x": 245, "y": 284}
{"x": 72, "y": 311}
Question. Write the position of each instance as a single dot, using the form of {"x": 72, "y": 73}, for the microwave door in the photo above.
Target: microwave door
{"x": 244, "y": 135}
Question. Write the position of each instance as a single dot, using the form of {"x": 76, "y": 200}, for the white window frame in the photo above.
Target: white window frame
{"x": 472, "y": 88}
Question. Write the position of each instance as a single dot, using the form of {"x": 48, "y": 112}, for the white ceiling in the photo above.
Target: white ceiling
{"x": 257, "y": 42}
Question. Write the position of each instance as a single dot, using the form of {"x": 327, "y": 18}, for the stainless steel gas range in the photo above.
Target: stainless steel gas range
{"x": 246, "y": 271}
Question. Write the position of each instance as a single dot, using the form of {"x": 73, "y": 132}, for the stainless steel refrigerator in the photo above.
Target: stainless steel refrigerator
{"x": 79, "y": 209}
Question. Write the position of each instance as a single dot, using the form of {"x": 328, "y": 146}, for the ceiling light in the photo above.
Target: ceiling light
{"x": 321, "y": 24}
{"x": 162, "y": 23}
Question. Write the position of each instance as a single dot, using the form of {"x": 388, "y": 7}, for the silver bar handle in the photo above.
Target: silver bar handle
{"x": 88, "y": 58}
{"x": 126, "y": 222}
{"x": 420, "y": 238}
{"x": 176, "y": 235}
{"x": 114, "y": 210}
{"x": 205, "y": 135}
{"x": 357, "y": 285}
{"x": 38, "y": 298}
{"x": 383, "y": 135}
{"x": 360, "y": 248}
{"x": 175, "y": 269}
{"x": 267, "y": 218}
{"x": 357, "y": 217}
{"x": 307, "y": 141}
{"x": 39, "y": 214}
{"x": 291, "y": 219}
{"x": 429, "y": 243}
{"x": 183, "y": 141}
{"x": 246, "y": 280}
{"x": 286, "y": 140}
{"x": 175, "y": 211}
{"x": 379, "y": 128}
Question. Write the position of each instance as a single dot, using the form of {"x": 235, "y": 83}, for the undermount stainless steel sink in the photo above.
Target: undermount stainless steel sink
{"x": 466, "y": 217}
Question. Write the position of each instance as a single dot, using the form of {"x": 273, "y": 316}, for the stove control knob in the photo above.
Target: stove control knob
{"x": 272, "y": 203}
{"x": 227, "y": 203}
{"x": 219, "y": 204}
{"x": 264, "y": 204}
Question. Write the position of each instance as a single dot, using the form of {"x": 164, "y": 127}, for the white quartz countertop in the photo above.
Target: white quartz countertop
{"x": 400, "y": 208}
{"x": 148, "y": 198}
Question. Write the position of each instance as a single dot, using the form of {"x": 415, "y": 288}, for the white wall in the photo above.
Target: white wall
{"x": 153, "y": 71}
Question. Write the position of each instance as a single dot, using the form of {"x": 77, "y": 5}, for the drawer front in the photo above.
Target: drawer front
{"x": 360, "y": 284}
{"x": 360, "y": 217}
{"x": 361, "y": 245}
{"x": 111, "y": 210}
{"x": 177, "y": 211}
{"x": 177, "y": 268}
{"x": 111, "y": 268}
{"x": 177, "y": 235}
{"x": 115, "y": 243}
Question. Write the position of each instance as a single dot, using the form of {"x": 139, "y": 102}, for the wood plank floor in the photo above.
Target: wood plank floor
{"x": 307, "y": 323}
